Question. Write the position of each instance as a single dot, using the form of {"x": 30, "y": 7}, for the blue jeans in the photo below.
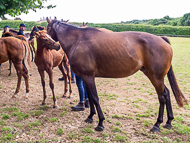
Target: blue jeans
{"x": 72, "y": 74}
{"x": 82, "y": 89}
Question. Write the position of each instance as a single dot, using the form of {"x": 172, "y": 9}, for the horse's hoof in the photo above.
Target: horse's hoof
{"x": 154, "y": 129}
{"x": 43, "y": 103}
{"x": 99, "y": 128}
{"x": 25, "y": 97}
{"x": 55, "y": 107}
{"x": 64, "y": 96}
{"x": 88, "y": 120}
{"x": 13, "y": 96}
{"x": 167, "y": 126}
{"x": 70, "y": 97}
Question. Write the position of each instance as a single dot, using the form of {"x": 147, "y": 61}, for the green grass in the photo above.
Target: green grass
{"x": 20, "y": 115}
{"x": 36, "y": 112}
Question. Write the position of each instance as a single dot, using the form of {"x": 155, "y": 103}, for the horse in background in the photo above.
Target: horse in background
{"x": 17, "y": 50}
{"x": 94, "y": 53}
{"x": 84, "y": 25}
{"x": 46, "y": 59}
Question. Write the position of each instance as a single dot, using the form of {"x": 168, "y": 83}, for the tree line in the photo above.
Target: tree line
{"x": 166, "y": 20}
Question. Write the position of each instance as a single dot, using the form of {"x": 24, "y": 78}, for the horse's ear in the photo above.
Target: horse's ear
{"x": 48, "y": 21}
{"x": 61, "y": 20}
{"x": 55, "y": 18}
{"x": 67, "y": 21}
{"x": 86, "y": 23}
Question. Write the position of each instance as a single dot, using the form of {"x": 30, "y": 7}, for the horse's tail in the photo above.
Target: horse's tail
{"x": 180, "y": 98}
{"x": 26, "y": 60}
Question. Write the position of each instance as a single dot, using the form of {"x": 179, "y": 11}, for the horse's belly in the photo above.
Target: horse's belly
{"x": 119, "y": 70}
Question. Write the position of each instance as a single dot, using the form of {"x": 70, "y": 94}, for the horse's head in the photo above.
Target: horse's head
{"x": 51, "y": 30}
{"x": 32, "y": 34}
{"x": 47, "y": 40}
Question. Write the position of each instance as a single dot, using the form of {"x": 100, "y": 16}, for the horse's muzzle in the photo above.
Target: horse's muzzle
{"x": 55, "y": 46}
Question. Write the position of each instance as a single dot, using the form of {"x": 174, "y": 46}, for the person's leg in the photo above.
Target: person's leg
{"x": 73, "y": 77}
{"x": 87, "y": 103}
{"x": 80, "y": 106}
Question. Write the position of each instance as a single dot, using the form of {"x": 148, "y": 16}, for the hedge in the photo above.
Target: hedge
{"x": 164, "y": 29}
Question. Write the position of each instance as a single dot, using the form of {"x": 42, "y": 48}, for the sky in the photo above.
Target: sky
{"x": 109, "y": 11}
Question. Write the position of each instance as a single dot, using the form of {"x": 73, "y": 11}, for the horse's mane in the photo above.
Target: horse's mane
{"x": 71, "y": 26}
{"x": 7, "y": 34}
{"x": 14, "y": 31}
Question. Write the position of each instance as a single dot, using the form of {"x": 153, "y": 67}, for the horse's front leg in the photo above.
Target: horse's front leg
{"x": 41, "y": 72}
{"x": 94, "y": 100}
{"x": 26, "y": 78}
{"x": 50, "y": 73}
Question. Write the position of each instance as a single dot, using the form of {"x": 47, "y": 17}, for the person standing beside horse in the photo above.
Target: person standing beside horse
{"x": 22, "y": 28}
{"x": 6, "y": 29}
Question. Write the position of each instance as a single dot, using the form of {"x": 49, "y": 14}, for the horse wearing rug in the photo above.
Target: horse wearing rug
{"x": 94, "y": 53}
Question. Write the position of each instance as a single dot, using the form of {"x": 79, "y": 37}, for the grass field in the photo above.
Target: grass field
{"x": 130, "y": 106}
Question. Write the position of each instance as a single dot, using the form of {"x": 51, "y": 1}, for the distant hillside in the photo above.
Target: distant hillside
{"x": 166, "y": 20}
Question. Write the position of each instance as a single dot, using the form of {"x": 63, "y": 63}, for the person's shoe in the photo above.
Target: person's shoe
{"x": 80, "y": 107}
{"x": 72, "y": 81}
{"x": 87, "y": 104}
{"x": 61, "y": 79}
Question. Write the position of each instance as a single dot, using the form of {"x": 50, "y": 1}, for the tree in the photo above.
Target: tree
{"x": 16, "y": 7}
{"x": 185, "y": 20}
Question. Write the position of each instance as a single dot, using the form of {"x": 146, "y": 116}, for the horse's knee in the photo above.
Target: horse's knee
{"x": 162, "y": 100}
{"x": 51, "y": 85}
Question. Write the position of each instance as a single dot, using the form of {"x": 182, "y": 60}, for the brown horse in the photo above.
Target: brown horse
{"x": 46, "y": 59}
{"x": 93, "y": 53}
{"x": 17, "y": 50}
{"x": 101, "y": 29}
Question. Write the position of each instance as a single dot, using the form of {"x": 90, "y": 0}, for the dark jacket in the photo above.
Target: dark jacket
{"x": 20, "y": 32}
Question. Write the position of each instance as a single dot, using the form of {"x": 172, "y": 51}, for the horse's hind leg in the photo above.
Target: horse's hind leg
{"x": 94, "y": 100}
{"x": 69, "y": 77}
{"x": 65, "y": 78}
{"x": 18, "y": 67}
{"x": 26, "y": 78}
{"x": 166, "y": 94}
{"x": 50, "y": 73}
{"x": 163, "y": 96}
{"x": 10, "y": 64}
{"x": 42, "y": 75}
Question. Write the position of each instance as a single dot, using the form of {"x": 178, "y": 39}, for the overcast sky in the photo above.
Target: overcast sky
{"x": 110, "y": 11}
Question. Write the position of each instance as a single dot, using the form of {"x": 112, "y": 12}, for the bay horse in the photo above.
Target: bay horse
{"x": 17, "y": 50}
{"x": 46, "y": 59}
{"x": 94, "y": 53}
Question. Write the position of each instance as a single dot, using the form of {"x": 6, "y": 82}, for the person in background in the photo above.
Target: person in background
{"x": 22, "y": 28}
{"x": 5, "y": 29}
{"x": 84, "y": 101}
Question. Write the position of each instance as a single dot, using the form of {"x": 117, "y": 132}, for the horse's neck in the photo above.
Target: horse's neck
{"x": 68, "y": 40}
{"x": 40, "y": 47}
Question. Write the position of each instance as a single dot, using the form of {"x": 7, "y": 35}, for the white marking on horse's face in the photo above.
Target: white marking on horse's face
{"x": 50, "y": 37}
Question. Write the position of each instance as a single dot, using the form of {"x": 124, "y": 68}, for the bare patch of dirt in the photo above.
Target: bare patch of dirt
{"x": 130, "y": 106}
